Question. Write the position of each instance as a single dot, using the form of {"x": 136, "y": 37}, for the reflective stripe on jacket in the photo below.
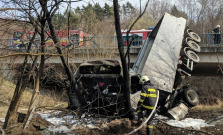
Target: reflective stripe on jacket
{"x": 217, "y": 31}
{"x": 148, "y": 96}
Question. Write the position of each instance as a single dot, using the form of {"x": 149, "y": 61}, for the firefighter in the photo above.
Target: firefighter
{"x": 217, "y": 34}
{"x": 148, "y": 99}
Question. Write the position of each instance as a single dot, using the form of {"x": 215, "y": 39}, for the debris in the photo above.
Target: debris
{"x": 214, "y": 121}
{"x": 189, "y": 123}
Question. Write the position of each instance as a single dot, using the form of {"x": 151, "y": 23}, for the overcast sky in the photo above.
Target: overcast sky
{"x": 102, "y": 2}
{"x": 135, "y": 3}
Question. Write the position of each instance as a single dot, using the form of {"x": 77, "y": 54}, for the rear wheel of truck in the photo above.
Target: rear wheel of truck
{"x": 190, "y": 54}
{"x": 193, "y": 45}
{"x": 194, "y": 36}
{"x": 193, "y": 56}
{"x": 191, "y": 97}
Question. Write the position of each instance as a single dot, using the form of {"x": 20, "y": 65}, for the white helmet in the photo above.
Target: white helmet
{"x": 218, "y": 26}
{"x": 143, "y": 79}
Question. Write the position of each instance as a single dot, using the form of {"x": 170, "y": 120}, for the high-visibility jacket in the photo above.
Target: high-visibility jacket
{"x": 217, "y": 35}
{"x": 148, "y": 97}
{"x": 216, "y": 31}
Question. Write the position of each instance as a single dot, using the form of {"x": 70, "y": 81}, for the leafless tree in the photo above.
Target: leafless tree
{"x": 203, "y": 15}
{"x": 157, "y": 8}
{"x": 39, "y": 13}
{"x": 125, "y": 63}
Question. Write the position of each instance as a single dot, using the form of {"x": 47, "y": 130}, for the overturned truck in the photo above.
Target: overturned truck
{"x": 167, "y": 57}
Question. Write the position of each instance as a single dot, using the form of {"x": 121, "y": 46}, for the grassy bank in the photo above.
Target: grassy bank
{"x": 51, "y": 99}
{"x": 6, "y": 93}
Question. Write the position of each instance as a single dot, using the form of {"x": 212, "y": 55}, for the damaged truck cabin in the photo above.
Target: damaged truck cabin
{"x": 100, "y": 85}
{"x": 167, "y": 57}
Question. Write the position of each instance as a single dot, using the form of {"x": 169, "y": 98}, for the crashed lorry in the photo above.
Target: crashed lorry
{"x": 167, "y": 57}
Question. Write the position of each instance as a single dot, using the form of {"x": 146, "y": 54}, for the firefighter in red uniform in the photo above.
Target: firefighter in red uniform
{"x": 148, "y": 98}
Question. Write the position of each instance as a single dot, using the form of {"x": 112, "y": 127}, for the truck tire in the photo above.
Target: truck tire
{"x": 194, "y": 36}
{"x": 193, "y": 56}
{"x": 191, "y": 97}
{"x": 190, "y": 54}
{"x": 193, "y": 45}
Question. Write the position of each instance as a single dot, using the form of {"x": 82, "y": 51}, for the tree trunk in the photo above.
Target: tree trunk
{"x": 11, "y": 116}
{"x": 126, "y": 78}
{"x": 34, "y": 101}
{"x": 66, "y": 68}
{"x": 35, "y": 96}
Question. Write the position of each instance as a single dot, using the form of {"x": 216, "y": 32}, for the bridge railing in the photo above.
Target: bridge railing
{"x": 89, "y": 42}
{"x": 207, "y": 39}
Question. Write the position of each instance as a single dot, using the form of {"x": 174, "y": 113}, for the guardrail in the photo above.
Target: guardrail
{"x": 207, "y": 39}
{"x": 89, "y": 42}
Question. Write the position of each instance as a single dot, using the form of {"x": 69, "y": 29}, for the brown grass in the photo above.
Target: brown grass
{"x": 204, "y": 107}
{"x": 7, "y": 90}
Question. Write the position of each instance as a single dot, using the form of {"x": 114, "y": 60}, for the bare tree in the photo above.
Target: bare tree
{"x": 11, "y": 116}
{"x": 203, "y": 15}
{"x": 39, "y": 14}
{"x": 23, "y": 81}
{"x": 125, "y": 64}
{"x": 157, "y": 8}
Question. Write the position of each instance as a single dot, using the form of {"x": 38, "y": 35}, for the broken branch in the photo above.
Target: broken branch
{"x": 31, "y": 54}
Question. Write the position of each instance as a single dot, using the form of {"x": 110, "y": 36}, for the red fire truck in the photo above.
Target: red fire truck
{"x": 21, "y": 37}
{"x": 140, "y": 39}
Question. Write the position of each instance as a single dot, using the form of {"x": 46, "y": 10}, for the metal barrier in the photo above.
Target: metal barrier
{"x": 89, "y": 42}
{"x": 207, "y": 39}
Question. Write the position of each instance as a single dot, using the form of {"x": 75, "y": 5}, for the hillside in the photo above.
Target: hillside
{"x": 209, "y": 88}
{"x": 6, "y": 92}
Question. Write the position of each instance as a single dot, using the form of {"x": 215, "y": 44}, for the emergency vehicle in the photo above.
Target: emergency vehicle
{"x": 21, "y": 37}
{"x": 140, "y": 39}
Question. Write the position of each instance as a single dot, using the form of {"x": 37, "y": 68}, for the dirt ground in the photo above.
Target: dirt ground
{"x": 123, "y": 126}
{"x": 163, "y": 129}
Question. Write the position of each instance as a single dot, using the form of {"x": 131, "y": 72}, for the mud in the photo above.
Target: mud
{"x": 38, "y": 126}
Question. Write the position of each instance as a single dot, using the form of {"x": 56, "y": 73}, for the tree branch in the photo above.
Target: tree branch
{"x": 141, "y": 14}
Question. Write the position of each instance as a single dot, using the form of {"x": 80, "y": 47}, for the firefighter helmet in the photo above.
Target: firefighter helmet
{"x": 143, "y": 79}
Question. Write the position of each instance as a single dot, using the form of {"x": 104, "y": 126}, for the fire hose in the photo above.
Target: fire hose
{"x": 3, "y": 132}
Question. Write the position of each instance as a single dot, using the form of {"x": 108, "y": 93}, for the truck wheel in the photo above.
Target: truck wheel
{"x": 193, "y": 56}
{"x": 191, "y": 97}
{"x": 194, "y": 36}
{"x": 193, "y": 45}
{"x": 187, "y": 52}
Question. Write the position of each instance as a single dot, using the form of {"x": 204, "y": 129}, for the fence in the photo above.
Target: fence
{"x": 90, "y": 42}
{"x": 207, "y": 39}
